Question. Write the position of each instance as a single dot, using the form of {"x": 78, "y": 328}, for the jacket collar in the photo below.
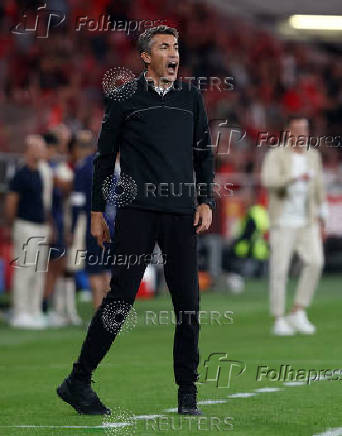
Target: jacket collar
{"x": 148, "y": 84}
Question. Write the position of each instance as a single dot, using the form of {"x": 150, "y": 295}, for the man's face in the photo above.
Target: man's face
{"x": 36, "y": 149}
{"x": 51, "y": 152}
{"x": 299, "y": 127}
{"x": 163, "y": 58}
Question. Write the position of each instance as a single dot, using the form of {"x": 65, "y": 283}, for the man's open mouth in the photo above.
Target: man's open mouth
{"x": 171, "y": 67}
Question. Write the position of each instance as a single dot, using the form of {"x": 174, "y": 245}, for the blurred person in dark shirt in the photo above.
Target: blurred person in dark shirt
{"x": 96, "y": 268}
{"x": 27, "y": 208}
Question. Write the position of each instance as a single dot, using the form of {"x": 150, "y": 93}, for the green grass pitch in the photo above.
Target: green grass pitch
{"x": 137, "y": 374}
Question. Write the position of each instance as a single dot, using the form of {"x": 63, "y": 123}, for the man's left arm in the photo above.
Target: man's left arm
{"x": 203, "y": 166}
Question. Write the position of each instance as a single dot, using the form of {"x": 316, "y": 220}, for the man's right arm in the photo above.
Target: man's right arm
{"x": 272, "y": 176}
{"x": 103, "y": 167}
{"x": 12, "y": 198}
{"x": 107, "y": 149}
{"x": 11, "y": 206}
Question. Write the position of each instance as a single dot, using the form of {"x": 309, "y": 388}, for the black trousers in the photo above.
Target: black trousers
{"x": 136, "y": 232}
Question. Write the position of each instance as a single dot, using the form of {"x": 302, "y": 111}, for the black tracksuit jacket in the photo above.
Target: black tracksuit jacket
{"x": 163, "y": 141}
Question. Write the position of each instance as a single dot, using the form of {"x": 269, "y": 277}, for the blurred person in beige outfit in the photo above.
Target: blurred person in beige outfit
{"x": 293, "y": 174}
{"x": 27, "y": 209}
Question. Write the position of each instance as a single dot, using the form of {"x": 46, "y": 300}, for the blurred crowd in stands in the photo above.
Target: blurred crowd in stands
{"x": 50, "y": 81}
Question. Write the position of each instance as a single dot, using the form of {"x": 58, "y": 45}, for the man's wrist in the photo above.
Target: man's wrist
{"x": 210, "y": 203}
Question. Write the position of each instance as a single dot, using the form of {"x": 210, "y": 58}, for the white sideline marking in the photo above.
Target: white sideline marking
{"x": 106, "y": 425}
{"x": 331, "y": 432}
{"x": 294, "y": 383}
{"x": 267, "y": 390}
{"x": 212, "y": 401}
{"x": 112, "y": 424}
{"x": 199, "y": 402}
{"x": 242, "y": 395}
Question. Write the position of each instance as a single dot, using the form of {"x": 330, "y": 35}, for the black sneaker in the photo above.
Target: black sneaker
{"x": 187, "y": 403}
{"x": 81, "y": 397}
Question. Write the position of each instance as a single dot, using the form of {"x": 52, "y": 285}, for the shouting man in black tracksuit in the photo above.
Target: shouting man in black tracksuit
{"x": 162, "y": 134}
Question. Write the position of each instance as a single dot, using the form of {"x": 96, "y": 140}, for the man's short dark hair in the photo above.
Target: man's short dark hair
{"x": 296, "y": 117}
{"x": 145, "y": 38}
{"x": 50, "y": 139}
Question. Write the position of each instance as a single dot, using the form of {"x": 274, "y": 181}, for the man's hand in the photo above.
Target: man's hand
{"x": 305, "y": 177}
{"x": 203, "y": 217}
{"x": 99, "y": 228}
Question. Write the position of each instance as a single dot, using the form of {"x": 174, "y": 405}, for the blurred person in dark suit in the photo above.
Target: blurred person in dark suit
{"x": 162, "y": 134}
